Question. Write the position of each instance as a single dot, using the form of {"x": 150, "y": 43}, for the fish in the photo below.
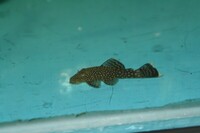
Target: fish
{"x": 110, "y": 72}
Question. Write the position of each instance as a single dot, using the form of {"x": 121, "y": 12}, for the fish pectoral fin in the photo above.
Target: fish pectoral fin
{"x": 95, "y": 84}
{"x": 113, "y": 63}
{"x": 111, "y": 82}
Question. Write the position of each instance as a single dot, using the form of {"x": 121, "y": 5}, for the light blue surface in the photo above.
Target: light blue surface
{"x": 43, "y": 43}
{"x": 141, "y": 127}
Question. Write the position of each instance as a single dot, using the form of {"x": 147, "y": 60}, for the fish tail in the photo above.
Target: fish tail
{"x": 146, "y": 71}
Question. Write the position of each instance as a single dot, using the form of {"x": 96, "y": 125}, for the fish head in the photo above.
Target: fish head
{"x": 80, "y": 77}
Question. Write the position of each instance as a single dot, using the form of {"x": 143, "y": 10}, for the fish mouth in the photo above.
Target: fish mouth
{"x": 72, "y": 81}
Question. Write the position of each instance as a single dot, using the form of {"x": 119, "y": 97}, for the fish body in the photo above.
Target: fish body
{"x": 110, "y": 71}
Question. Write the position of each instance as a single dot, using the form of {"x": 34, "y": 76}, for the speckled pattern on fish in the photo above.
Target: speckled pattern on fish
{"x": 110, "y": 71}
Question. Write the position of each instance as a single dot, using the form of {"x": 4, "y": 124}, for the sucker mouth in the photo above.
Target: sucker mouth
{"x": 73, "y": 81}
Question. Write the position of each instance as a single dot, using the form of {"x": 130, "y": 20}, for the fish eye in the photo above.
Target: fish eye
{"x": 82, "y": 75}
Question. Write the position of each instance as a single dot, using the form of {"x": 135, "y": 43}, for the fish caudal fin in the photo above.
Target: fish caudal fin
{"x": 146, "y": 71}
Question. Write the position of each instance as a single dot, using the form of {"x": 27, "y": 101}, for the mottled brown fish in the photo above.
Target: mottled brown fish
{"x": 110, "y": 71}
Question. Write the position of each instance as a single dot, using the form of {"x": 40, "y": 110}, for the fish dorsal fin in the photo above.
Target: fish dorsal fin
{"x": 113, "y": 63}
{"x": 95, "y": 84}
{"x": 111, "y": 82}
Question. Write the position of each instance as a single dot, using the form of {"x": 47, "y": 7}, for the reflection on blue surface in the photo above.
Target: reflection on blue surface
{"x": 43, "y": 43}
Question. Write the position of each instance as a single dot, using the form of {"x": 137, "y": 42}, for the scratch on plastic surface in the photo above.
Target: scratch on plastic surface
{"x": 134, "y": 127}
